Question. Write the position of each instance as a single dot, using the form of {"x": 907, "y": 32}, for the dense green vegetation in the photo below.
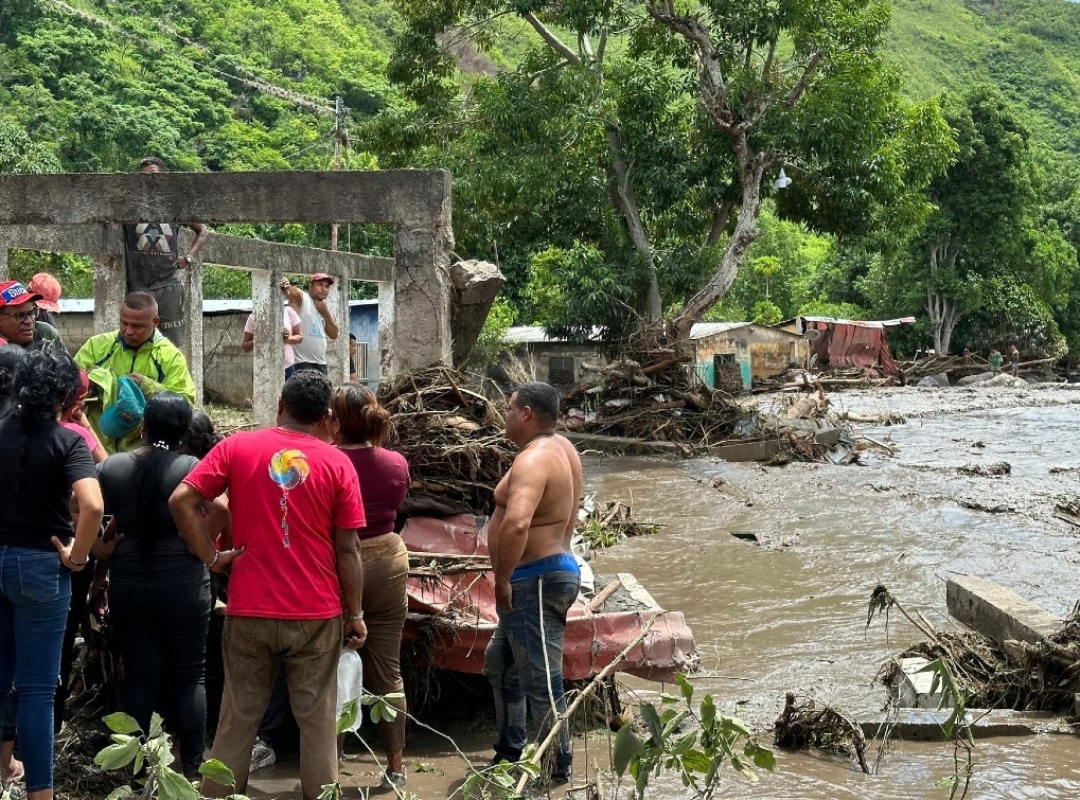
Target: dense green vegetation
{"x": 93, "y": 85}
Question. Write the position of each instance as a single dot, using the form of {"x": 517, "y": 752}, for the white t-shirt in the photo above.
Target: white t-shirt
{"x": 313, "y": 349}
{"x": 290, "y": 319}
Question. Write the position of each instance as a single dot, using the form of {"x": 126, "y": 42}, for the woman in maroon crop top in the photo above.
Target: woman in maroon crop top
{"x": 359, "y": 426}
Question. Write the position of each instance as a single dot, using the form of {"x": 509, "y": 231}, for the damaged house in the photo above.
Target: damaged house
{"x": 838, "y": 343}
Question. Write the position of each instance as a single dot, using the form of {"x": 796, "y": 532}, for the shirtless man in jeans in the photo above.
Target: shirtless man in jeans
{"x": 536, "y": 577}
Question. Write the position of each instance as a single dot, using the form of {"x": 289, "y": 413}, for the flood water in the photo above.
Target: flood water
{"x": 790, "y": 614}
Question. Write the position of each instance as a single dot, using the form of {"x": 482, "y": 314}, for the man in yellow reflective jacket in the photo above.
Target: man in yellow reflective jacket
{"x": 139, "y": 352}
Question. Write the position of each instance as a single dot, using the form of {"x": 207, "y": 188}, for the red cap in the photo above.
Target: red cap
{"x": 13, "y": 293}
{"x": 322, "y": 276}
{"x": 49, "y": 288}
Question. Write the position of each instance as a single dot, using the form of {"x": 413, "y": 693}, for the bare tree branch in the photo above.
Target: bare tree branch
{"x": 552, "y": 40}
{"x": 721, "y": 215}
{"x": 800, "y": 85}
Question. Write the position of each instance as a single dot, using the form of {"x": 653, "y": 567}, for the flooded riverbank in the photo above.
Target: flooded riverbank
{"x": 790, "y": 614}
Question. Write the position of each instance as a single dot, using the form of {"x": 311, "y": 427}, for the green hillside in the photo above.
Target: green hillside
{"x": 1030, "y": 49}
{"x": 226, "y": 84}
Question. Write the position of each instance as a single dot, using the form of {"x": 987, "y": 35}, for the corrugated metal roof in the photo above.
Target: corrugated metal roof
{"x": 527, "y": 334}
{"x": 703, "y": 329}
{"x": 878, "y": 323}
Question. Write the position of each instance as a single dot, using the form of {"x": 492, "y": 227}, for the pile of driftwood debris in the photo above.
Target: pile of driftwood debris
{"x": 809, "y": 724}
{"x": 1044, "y": 676}
{"x": 452, "y": 436}
{"x": 652, "y": 392}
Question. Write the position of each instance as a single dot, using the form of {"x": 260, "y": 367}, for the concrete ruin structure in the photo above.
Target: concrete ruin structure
{"x": 85, "y": 214}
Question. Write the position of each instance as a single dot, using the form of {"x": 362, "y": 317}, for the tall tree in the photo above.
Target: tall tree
{"x": 683, "y": 118}
{"x": 982, "y": 205}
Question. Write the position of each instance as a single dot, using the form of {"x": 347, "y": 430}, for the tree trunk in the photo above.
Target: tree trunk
{"x": 751, "y": 167}
{"x": 622, "y": 193}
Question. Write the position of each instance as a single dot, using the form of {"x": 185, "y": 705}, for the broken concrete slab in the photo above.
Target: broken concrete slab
{"x": 475, "y": 286}
{"x": 918, "y": 724}
{"x": 916, "y": 687}
{"x": 997, "y": 612}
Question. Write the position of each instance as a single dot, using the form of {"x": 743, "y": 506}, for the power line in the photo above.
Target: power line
{"x": 253, "y": 81}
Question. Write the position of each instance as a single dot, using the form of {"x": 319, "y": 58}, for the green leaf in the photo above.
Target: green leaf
{"x": 157, "y": 725}
{"x": 708, "y": 711}
{"x": 121, "y": 723}
{"x": 652, "y": 720}
{"x": 174, "y": 786}
{"x": 349, "y": 712}
{"x": 696, "y": 761}
{"x": 119, "y": 793}
{"x": 685, "y": 687}
{"x": 627, "y": 745}
{"x": 116, "y": 756}
{"x": 216, "y": 771}
{"x": 763, "y": 757}
{"x": 683, "y": 744}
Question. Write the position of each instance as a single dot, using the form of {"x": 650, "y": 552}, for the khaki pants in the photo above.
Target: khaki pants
{"x": 386, "y": 566}
{"x": 253, "y": 649}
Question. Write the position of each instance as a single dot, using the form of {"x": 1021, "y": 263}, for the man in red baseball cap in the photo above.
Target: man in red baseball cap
{"x": 18, "y": 318}
{"x": 316, "y": 324}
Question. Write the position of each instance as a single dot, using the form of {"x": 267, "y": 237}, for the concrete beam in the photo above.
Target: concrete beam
{"x": 997, "y": 612}
{"x": 242, "y": 253}
{"x": 237, "y": 252}
{"x": 91, "y": 240}
{"x": 916, "y": 724}
{"x": 415, "y": 198}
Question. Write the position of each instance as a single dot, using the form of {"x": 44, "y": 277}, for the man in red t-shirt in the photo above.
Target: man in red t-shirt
{"x": 296, "y": 507}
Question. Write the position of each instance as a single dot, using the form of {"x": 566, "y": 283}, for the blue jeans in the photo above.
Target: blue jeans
{"x": 514, "y": 663}
{"x": 35, "y": 591}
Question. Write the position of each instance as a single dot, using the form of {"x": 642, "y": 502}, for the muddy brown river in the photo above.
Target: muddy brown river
{"x": 790, "y": 614}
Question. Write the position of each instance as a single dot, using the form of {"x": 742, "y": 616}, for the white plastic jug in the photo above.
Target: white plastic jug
{"x": 350, "y": 683}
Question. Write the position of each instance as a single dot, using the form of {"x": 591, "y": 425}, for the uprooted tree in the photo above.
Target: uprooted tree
{"x": 639, "y": 140}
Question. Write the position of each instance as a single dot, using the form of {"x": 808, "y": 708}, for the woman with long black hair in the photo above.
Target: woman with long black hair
{"x": 159, "y": 593}
{"x": 44, "y": 465}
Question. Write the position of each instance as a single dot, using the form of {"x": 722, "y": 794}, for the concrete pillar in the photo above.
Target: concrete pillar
{"x": 422, "y": 291}
{"x": 192, "y": 343}
{"x": 337, "y": 350}
{"x": 387, "y": 319}
{"x": 110, "y": 288}
{"x": 269, "y": 353}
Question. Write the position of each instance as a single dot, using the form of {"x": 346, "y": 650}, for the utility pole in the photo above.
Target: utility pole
{"x": 341, "y": 138}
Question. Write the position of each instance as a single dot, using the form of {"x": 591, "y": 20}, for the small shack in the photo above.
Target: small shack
{"x": 548, "y": 359}
{"x": 848, "y": 343}
{"x": 720, "y": 350}
{"x": 731, "y": 355}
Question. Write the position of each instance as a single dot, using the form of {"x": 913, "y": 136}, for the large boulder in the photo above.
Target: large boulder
{"x": 982, "y": 377}
{"x": 1007, "y": 381}
{"x": 934, "y": 381}
{"x": 476, "y": 284}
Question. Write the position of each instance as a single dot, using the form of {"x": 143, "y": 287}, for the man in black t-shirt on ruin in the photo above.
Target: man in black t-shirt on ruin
{"x": 152, "y": 257}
